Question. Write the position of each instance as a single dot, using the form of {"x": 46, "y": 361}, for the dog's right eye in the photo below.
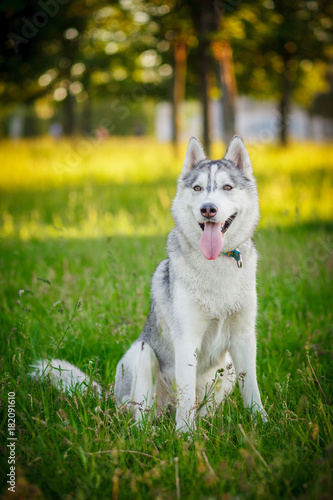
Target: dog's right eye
{"x": 197, "y": 188}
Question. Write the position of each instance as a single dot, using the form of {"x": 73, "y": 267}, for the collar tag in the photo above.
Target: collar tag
{"x": 236, "y": 254}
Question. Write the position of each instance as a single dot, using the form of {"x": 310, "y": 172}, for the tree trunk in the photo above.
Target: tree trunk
{"x": 179, "y": 83}
{"x": 208, "y": 22}
{"x": 284, "y": 104}
{"x": 205, "y": 100}
{"x": 87, "y": 114}
{"x": 226, "y": 77}
{"x": 69, "y": 115}
{"x": 205, "y": 24}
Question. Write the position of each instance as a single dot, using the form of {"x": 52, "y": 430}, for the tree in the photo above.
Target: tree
{"x": 41, "y": 42}
{"x": 196, "y": 28}
{"x": 66, "y": 52}
{"x": 177, "y": 31}
{"x": 282, "y": 51}
{"x": 215, "y": 56}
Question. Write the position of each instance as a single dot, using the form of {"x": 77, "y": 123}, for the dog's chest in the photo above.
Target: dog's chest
{"x": 218, "y": 291}
{"x": 215, "y": 342}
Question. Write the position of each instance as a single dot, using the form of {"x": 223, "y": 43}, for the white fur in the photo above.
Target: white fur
{"x": 62, "y": 373}
{"x": 194, "y": 155}
{"x": 142, "y": 360}
{"x": 237, "y": 154}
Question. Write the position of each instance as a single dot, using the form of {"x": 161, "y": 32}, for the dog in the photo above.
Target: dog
{"x": 199, "y": 337}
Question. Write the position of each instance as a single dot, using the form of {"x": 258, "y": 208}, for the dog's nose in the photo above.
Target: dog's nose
{"x": 208, "y": 210}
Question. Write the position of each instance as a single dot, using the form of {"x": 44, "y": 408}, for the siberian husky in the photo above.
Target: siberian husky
{"x": 199, "y": 337}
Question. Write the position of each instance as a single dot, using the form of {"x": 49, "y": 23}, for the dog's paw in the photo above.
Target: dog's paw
{"x": 260, "y": 413}
{"x": 184, "y": 426}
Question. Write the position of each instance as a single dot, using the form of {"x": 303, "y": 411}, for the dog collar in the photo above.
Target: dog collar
{"x": 236, "y": 254}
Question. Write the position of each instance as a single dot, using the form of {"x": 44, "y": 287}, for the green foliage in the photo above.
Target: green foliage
{"x": 281, "y": 38}
{"x": 86, "y": 296}
{"x": 55, "y": 53}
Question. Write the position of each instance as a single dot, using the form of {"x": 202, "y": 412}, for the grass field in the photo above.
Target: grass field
{"x": 82, "y": 228}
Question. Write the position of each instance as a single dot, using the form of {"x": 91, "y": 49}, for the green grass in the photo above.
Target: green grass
{"x": 83, "y": 243}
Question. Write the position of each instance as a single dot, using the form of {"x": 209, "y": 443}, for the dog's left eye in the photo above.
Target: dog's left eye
{"x": 227, "y": 187}
{"x": 197, "y": 188}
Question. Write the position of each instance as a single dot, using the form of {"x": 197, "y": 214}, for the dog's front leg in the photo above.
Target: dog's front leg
{"x": 185, "y": 378}
{"x": 189, "y": 329}
{"x": 243, "y": 347}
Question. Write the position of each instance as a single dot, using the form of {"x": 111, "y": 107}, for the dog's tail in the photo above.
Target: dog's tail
{"x": 64, "y": 375}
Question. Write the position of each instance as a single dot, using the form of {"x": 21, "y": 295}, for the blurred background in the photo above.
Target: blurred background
{"x": 167, "y": 68}
{"x": 98, "y": 100}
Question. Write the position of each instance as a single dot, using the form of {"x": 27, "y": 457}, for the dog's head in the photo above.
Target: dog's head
{"x": 216, "y": 204}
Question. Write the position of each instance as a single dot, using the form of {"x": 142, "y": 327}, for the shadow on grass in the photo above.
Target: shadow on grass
{"x": 87, "y": 299}
{"x": 111, "y": 279}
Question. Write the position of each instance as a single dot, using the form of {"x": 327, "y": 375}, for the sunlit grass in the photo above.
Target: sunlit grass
{"x": 80, "y": 188}
{"x": 52, "y": 163}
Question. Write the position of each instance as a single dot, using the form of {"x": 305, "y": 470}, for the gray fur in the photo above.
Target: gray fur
{"x": 125, "y": 375}
{"x": 237, "y": 176}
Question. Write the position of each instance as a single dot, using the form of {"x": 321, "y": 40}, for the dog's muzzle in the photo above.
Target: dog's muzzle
{"x": 208, "y": 210}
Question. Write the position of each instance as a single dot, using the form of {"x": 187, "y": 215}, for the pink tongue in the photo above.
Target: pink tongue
{"x": 212, "y": 240}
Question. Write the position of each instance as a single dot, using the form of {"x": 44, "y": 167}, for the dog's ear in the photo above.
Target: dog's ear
{"x": 238, "y": 155}
{"x": 194, "y": 155}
